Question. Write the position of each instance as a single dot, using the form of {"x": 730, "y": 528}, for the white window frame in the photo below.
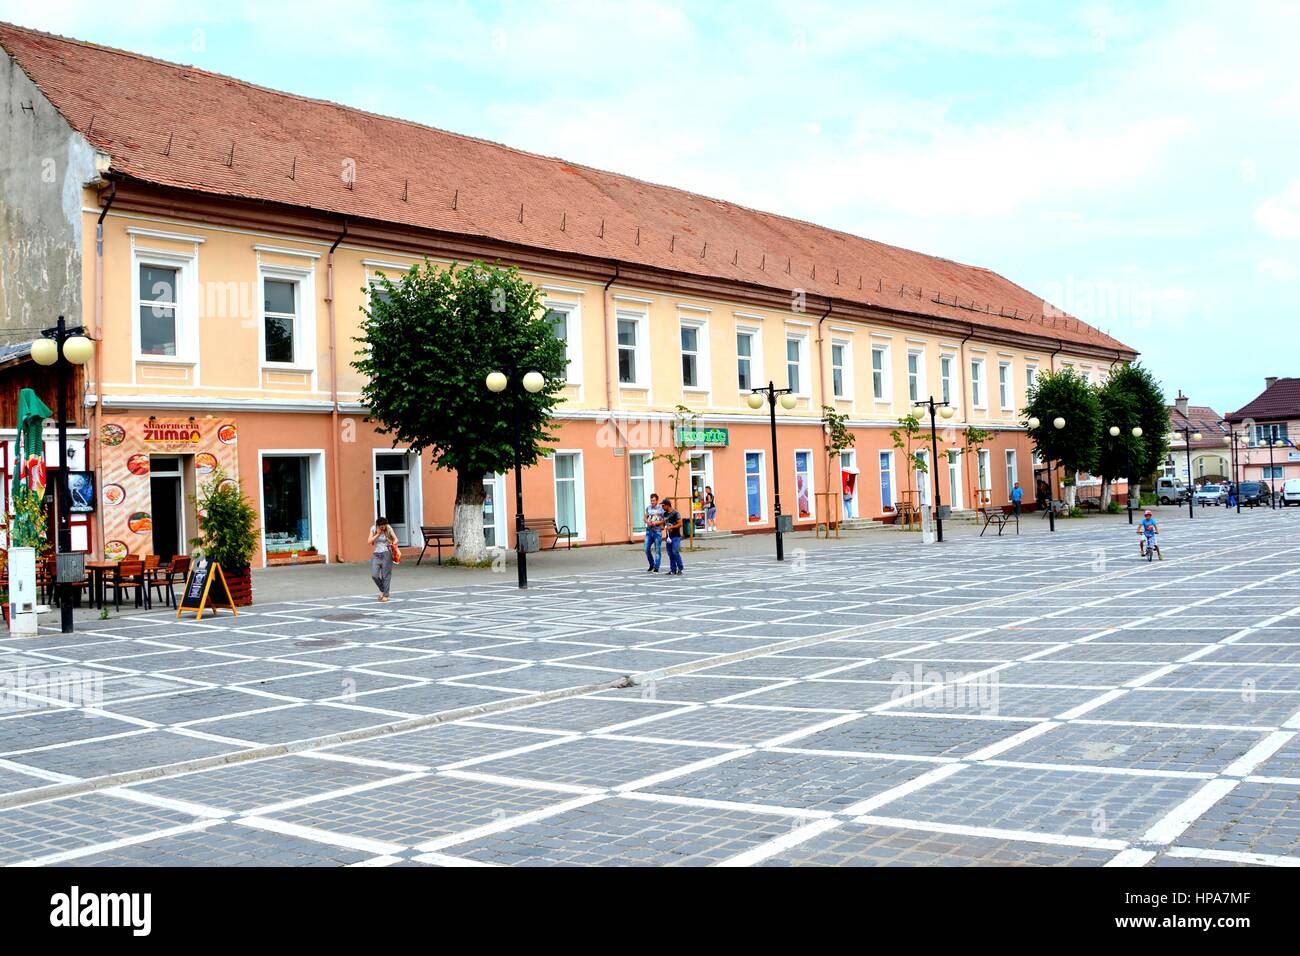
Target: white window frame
{"x": 414, "y": 486}
{"x": 1005, "y": 386}
{"x": 304, "y": 326}
{"x": 885, "y": 396}
{"x": 573, "y": 336}
{"x": 187, "y": 303}
{"x": 702, "y": 362}
{"x": 1012, "y": 468}
{"x": 647, "y": 484}
{"x": 983, "y": 473}
{"x": 812, "y": 485}
{"x": 805, "y": 384}
{"x": 579, "y": 491}
{"x": 1031, "y": 379}
{"x": 916, "y": 379}
{"x": 762, "y": 486}
{"x": 979, "y": 383}
{"x": 893, "y": 480}
{"x": 924, "y": 480}
{"x": 945, "y": 377}
{"x": 754, "y": 358}
{"x": 641, "y": 351}
{"x": 846, "y": 368}
{"x": 953, "y": 459}
{"x": 320, "y": 528}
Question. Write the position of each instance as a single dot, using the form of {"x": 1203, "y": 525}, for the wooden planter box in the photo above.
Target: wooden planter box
{"x": 241, "y": 586}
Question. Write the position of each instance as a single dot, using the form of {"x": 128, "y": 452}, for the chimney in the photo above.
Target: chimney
{"x": 1270, "y": 381}
{"x": 1180, "y": 403}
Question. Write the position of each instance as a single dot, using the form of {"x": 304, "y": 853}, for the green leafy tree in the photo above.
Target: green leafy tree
{"x": 1075, "y": 447}
{"x": 905, "y": 438}
{"x": 227, "y": 523}
{"x": 1118, "y": 456}
{"x": 684, "y": 420}
{"x": 838, "y": 438}
{"x": 972, "y": 440}
{"x": 430, "y": 340}
{"x": 1151, "y": 415}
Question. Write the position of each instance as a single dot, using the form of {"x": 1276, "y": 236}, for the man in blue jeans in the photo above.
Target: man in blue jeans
{"x": 1017, "y": 493}
{"x": 654, "y": 519}
{"x": 673, "y": 529}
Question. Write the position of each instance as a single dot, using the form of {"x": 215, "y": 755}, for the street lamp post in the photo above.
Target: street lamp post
{"x": 946, "y": 412}
{"x": 1190, "y": 436}
{"x": 1128, "y": 497}
{"x": 1230, "y": 440}
{"x": 533, "y": 382}
{"x": 71, "y": 345}
{"x": 1272, "y": 503}
{"x": 1058, "y": 423}
{"x": 785, "y": 396}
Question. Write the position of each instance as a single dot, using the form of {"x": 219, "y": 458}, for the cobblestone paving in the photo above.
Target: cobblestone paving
{"x": 1044, "y": 700}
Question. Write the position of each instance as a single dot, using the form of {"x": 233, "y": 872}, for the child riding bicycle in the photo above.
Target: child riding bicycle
{"x": 1148, "y": 536}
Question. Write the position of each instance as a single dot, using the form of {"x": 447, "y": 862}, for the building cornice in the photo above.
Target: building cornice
{"x": 297, "y": 222}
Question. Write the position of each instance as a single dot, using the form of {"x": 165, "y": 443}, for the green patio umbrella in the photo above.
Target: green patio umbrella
{"x": 32, "y": 413}
{"x": 29, "y": 470}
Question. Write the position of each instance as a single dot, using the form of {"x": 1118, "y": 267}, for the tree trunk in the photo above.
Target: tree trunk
{"x": 1105, "y": 493}
{"x": 467, "y": 521}
{"x": 1071, "y": 495}
{"x": 1135, "y": 493}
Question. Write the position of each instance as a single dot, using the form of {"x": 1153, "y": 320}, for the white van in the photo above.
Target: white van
{"x": 1291, "y": 492}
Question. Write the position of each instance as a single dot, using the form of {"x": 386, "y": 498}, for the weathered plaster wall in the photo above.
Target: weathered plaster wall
{"x": 43, "y": 166}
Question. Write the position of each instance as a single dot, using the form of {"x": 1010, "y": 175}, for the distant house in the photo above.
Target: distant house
{"x": 1268, "y": 428}
{"x": 1211, "y": 457}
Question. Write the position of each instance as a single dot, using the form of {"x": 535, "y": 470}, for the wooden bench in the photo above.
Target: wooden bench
{"x": 997, "y": 517}
{"x": 439, "y": 536}
{"x": 548, "y": 526}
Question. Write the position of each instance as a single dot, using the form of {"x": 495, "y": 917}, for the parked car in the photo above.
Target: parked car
{"x": 1291, "y": 492}
{"x": 1252, "y": 493}
{"x": 1170, "y": 491}
{"x": 1211, "y": 495}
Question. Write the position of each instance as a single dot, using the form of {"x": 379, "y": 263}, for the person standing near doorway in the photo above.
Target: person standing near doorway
{"x": 1017, "y": 494}
{"x": 673, "y": 529}
{"x": 654, "y": 519}
{"x": 710, "y": 510}
{"x": 382, "y": 543}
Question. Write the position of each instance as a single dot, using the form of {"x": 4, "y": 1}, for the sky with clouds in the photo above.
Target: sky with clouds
{"x": 1136, "y": 164}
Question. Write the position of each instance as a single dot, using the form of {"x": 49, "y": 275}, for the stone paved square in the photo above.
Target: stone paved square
{"x": 1099, "y": 731}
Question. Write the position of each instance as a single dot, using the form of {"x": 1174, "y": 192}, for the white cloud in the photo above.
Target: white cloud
{"x": 1278, "y": 269}
{"x": 1279, "y": 216}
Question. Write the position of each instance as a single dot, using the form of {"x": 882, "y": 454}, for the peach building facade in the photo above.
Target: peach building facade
{"x": 229, "y": 311}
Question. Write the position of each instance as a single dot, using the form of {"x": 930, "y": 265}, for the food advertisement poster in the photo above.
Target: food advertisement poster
{"x": 125, "y": 446}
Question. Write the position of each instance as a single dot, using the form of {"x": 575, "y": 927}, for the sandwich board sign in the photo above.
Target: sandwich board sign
{"x": 205, "y": 587}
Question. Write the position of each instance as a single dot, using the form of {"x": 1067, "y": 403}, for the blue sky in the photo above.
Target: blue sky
{"x": 1135, "y": 164}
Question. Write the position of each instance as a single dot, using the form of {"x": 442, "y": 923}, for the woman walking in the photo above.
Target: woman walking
{"x": 383, "y": 542}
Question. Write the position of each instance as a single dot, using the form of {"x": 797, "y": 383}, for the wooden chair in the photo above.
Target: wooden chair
{"x": 128, "y": 575}
{"x": 548, "y": 526}
{"x": 176, "y": 570}
{"x": 438, "y": 536}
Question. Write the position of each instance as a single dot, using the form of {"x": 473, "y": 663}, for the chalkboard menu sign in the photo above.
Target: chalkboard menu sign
{"x": 205, "y": 587}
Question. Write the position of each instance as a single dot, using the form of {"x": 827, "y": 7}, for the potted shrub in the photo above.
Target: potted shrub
{"x": 227, "y": 533}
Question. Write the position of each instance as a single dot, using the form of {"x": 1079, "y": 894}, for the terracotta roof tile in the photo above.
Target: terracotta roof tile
{"x": 179, "y": 126}
{"x": 1280, "y": 400}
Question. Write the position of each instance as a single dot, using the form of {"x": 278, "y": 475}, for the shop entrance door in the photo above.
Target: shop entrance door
{"x": 392, "y": 493}
{"x": 167, "y": 497}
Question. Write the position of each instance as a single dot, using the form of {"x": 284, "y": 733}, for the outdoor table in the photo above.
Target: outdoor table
{"x": 97, "y": 570}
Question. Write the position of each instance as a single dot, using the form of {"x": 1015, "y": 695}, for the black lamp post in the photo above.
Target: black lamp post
{"x": 946, "y": 411}
{"x": 532, "y": 382}
{"x": 1230, "y": 440}
{"x": 63, "y": 346}
{"x": 1272, "y": 502}
{"x": 786, "y": 397}
{"x": 1137, "y": 433}
{"x": 1058, "y": 423}
{"x": 1190, "y": 436}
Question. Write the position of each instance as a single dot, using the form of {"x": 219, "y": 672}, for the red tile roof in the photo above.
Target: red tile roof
{"x": 178, "y": 126}
{"x": 1199, "y": 418}
{"x": 1279, "y": 401}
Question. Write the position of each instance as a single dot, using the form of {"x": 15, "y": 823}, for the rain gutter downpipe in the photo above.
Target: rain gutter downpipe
{"x": 334, "y": 399}
{"x": 97, "y": 323}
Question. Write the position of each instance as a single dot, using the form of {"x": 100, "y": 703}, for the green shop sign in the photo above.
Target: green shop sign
{"x": 702, "y": 437}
